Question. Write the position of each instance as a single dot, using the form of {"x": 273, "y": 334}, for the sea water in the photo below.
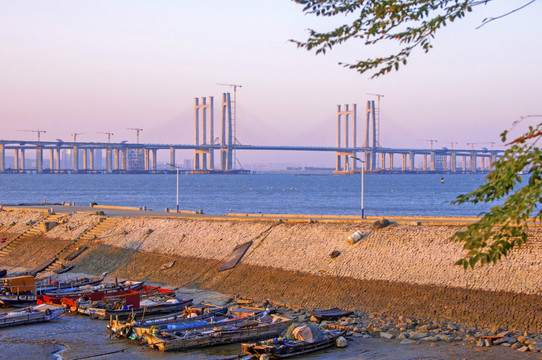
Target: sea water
{"x": 282, "y": 193}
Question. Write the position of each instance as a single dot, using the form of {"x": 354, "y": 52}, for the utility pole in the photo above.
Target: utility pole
{"x": 378, "y": 97}
{"x": 38, "y": 131}
{"x": 108, "y": 135}
{"x": 137, "y": 130}
{"x": 75, "y": 136}
{"x": 235, "y": 141}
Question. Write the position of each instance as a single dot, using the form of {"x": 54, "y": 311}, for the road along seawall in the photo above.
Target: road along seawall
{"x": 398, "y": 270}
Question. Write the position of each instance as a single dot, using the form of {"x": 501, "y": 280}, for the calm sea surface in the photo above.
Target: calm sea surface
{"x": 384, "y": 194}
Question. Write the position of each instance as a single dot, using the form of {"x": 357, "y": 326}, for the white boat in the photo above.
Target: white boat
{"x": 32, "y": 314}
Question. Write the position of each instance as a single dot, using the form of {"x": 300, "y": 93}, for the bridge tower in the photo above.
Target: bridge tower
{"x": 342, "y": 164}
{"x": 370, "y": 136}
{"x": 206, "y": 135}
{"x": 226, "y": 141}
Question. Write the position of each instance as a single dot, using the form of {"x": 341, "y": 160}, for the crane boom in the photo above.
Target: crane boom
{"x": 38, "y": 131}
{"x": 137, "y": 130}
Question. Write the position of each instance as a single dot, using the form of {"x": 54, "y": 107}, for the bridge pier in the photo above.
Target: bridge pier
{"x": 154, "y": 151}
{"x": 23, "y": 165}
{"x": 404, "y": 167}
{"x": 453, "y": 162}
{"x": 146, "y": 159}
{"x": 108, "y": 159}
{"x": 424, "y": 165}
{"x": 91, "y": 159}
{"x": 85, "y": 159}
{"x": 492, "y": 159}
{"x": 52, "y": 160}
{"x": 58, "y": 159}
{"x": 411, "y": 163}
{"x": 124, "y": 159}
{"x": 39, "y": 160}
{"x": 75, "y": 159}
{"x": 171, "y": 158}
{"x": 473, "y": 162}
{"x": 2, "y": 159}
{"x": 16, "y": 159}
{"x": 116, "y": 159}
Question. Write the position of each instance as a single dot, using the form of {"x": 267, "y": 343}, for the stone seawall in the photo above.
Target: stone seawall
{"x": 401, "y": 269}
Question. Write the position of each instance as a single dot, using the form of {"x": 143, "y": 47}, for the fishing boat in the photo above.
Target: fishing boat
{"x": 130, "y": 299}
{"x": 296, "y": 343}
{"x": 18, "y": 291}
{"x": 86, "y": 294}
{"x": 50, "y": 285}
{"x": 211, "y": 335}
{"x": 134, "y": 305}
{"x": 33, "y": 314}
{"x": 191, "y": 317}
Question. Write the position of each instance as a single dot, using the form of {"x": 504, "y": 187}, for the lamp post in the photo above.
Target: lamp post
{"x": 362, "y": 165}
{"x": 177, "y": 167}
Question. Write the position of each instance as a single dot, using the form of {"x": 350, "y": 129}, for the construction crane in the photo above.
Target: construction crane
{"x": 108, "y": 135}
{"x": 377, "y": 116}
{"x": 38, "y": 131}
{"x": 75, "y": 134}
{"x": 451, "y": 143}
{"x": 431, "y": 141}
{"x": 137, "y": 130}
{"x": 482, "y": 143}
{"x": 234, "y": 135}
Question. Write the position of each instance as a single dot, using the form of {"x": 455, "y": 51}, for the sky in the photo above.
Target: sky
{"x": 105, "y": 66}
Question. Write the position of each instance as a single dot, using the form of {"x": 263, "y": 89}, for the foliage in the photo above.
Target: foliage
{"x": 411, "y": 23}
{"x": 504, "y": 226}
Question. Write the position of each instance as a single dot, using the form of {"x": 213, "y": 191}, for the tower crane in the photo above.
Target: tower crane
{"x": 431, "y": 141}
{"x": 482, "y": 143}
{"x": 137, "y": 130}
{"x": 108, "y": 135}
{"x": 38, "y": 131}
{"x": 378, "y": 97}
{"x": 234, "y": 135}
{"x": 451, "y": 143}
{"x": 75, "y": 134}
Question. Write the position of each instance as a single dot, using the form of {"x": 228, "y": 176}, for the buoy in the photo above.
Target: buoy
{"x": 442, "y": 180}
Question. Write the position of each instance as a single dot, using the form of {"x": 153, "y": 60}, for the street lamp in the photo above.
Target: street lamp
{"x": 362, "y": 163}
{"x": 177, "y": 167}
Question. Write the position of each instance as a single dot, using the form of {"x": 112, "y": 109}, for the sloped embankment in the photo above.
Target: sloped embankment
{"x": 397, "y": 270}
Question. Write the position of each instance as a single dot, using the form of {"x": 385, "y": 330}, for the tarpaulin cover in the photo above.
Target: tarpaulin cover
{"x": 308, "y": 333}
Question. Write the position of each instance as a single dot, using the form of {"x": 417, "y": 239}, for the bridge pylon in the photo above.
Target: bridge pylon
{"x": 206, "y": 135}
{"x": 342, "y": 164}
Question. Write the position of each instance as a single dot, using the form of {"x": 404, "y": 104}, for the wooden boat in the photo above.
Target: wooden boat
{"x": 72, "y": 300}
{"x": 330, "y": 314}
{"x": 191, "y": 317}
{"x": 280, "y": 349}
{"x": 30, "y": 315}
{"x": 50, "y": 286}
{"x": 118, "y": 300}
{"x": 133, "y": 305}
{"x": 214, "y": 334}
{"x": 18, "y": 291}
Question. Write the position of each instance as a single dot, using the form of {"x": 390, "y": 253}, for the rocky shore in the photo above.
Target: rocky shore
{"x": 393, "y": 279}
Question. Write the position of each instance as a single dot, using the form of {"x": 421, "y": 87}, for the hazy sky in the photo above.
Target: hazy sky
{"x": 91, "y": 66}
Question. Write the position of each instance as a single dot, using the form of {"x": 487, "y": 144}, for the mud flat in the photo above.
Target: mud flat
{"x": 399, "y": 270}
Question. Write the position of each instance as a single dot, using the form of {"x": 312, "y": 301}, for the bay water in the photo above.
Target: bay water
{"x": 271, "y": 193}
